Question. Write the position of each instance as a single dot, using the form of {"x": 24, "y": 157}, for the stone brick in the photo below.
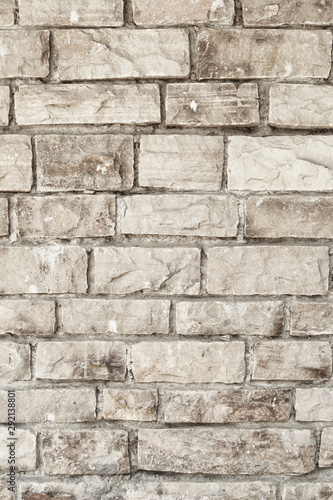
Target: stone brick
{"x": 301, "y": 106}
{"x": 15, "y": 163}
{"x": 25, "y": 450}
{"x": 263, "y": 54}
{"x": 71, "y": 13}
{"x": 154, "y": 12}
{"x": 181, "y": 162}
{"x": 292, "y": 361}
{"x": 14, "y": 362}
{"x": 101, "y": 451}
{"x": 240, "y": 451}
{"x": 311, "y": 318}
{"x": 81, "y": 360}
{"x": 135, "y": 405}
{"x": 43, "y": 269}
{"x": 287, "y": 163}
{"x": 6, "y": 19}
{"x": 24, "y": 54}
{"x": 308, "y": 491}
{"x": 4, "y": 221}
{"x": 326, "y": 448}
{"x": 189, "y": 362}
{"x": 5, "y": 494}
{"x": 185, "y": 215}
{"x": 84, "y": 162}
{"x": 172, "y": 271}
{"x": 315, "y": 404}
{"x": 4, "y": 106}
{"x": 215, "y": 407}
{"x": 229, "y": 318}
{"x": 87, "y": 103}
{"x": 212, "y": 104}
{"x": 123, "y": 317}
{"x": 109, "y": 53}
{"x": 88, "y": 488}
{"x": 51, "y": 405}
{"x": 80, "y": 216}
{"x": 27, "y": 317}
{"x": 268, "y": 270}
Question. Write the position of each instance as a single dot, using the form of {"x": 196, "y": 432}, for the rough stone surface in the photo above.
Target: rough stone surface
{"x": 14, "y": 362}
{"x": 134, "y": 405}
{"x": 311, "y": 318}
{"x": 81, "y": 360}
{"x": 24, "y": 53}
{"x": 189, "y": 362}
{"x": 218, "y": 451}
{"x": 268, "y": 270}
{"x": 5, "y": 494}
{"x": 27, "y": 317}
{"x": 326, "y": 448}
{"x": 87, "y": 488}
{"x": 314, "y": 404}
{"x": 6, "y": 18}
{"x": 212, "y": 104}
{"x": 4, "y": 217}
{"x": 308, "y": 491}
{"x": 25, "y": 449}
{"x": 4, "y": 105}
{"x": 15, "y": 163}
{"x": 292, "y": 361}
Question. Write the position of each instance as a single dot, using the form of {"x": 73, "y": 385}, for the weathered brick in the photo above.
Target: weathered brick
{"x": 212, "y": 104}
{"x": 88, "y": 488}
{"x": 4, "y": 220}
{"x": 292, "y": 361}
{"x": 25, "y": 450}
{"x": 308, "y": 491}
{"x": 5, "y": 494}
{"x": 268, "y": 270}
{"x": 137, "y": 269}
{"x": 287, "y": 163}
{"x": 80, "y": 216}
{"x": 87, "y": 103}
{"x": 181, "y": 162}
{"x": 301, "y": 106}
{"x": 7, "y": 14}
{"x": 214, "y": 407}
{"x": 135, "y": 405}
{"x": 185, "y": 215}
{"x": 240, "y": 451}
{"x": 85, "y": 452}
{"x": 229, "y": 318}
{"x": 124, "y": 317}
{"x": 24, "y": 53}
{"x": 81, "y": 360}
{"x": 14, "y": 362}
{"x": 311, "y": 318}
{"x": 15, "y": 163}
{"x": 326, "y": 448}
{"x": 27, "y": 317}
{"x": 189, "y": 362}
{"x": 4, "y": 105}
{"x": 44, "y": 269}
{"x": 84, "y": 162}
{"x": 263, "y": 54}
{"x": 314, "y": 404}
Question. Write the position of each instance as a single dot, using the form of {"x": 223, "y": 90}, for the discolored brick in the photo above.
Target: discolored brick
{"x": 27, "y": 317}
{"x": 311, "y": 318}
{"x": 15, "y": 163}
{"x": 130, "y": 404}
{"x": 24, "y": 53}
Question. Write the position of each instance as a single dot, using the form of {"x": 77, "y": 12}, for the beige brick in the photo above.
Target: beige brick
{"x": 282, "y": 163}
{"x": 77, "y": 216}
{"x": 229, "y": 318}
{"x": 301, "y": 106}
{"x": 311, "y": 318}
{"x": 308, "y": 491}
{"x": 25, "y": 450}
{"x": 268, "y": 270}
{"x": 263, "y": 54}
{"x": 123, "y": 317}
{"x": 27, "y": 317}
{"x": 14, "y": 362}
{"x": 263, "y": 451}
{"x": 184, "y": 215}
{"x": 215, "y": 407}
{"x": 171, "y": 271}
{"x": 43, "y": 269}
{"x": 212, "y": 104}
{"x": 135, "y": 405}
{"x": 4, "y": 220}
{"x": 4, "y": 105}
{"x": 292, "y": 361}
{"x": 315, "y": 404}
{"x": 15, "y": 163}
{"x": 181, "y": 162}
{"x": 326, "y": 448}
{"x": 189, "y": 362}
{"x": 6, "y": 18}
{"x": 102, "y": 451}
{"x": 81, "y": 360}
{"x": 87, "y": 103}
{"x": 71, "y": 13}
{"x": 24, "y": 53}
{"x": 5, "y": 494}
{"x": 84, "y": 162}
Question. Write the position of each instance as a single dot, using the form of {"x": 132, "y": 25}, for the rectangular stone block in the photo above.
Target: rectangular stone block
{"x": 102, "y": 451}
{"x": 4, "y": 220}
{"x": 215, "y": 407}
{"x": 84, "y": 162}
{"x": 189, "y": 362}
{"x": 263, "y": 54}
{"x": 315, "y": 404}
{"x": 7, "y": 15}
{"x": 25, "y": 450}
{"x": 171, "y": 271}
{"x": 5, "y": 494}
{"x": 212, "y": 104}
{"x": 301, "y": 106}
{"x": 87, "y": 103}
{"x": 123, "y": 317}
{"x": 282, "y": 163}
{"x": 311, "y": 318}
{"x": 308, "y": 491}
{"x": 15, "y": 163}
{"x": 86, "y": 488}
{"x": 4, "y": 106}
{"x": 79, "y": 216}
{"x": 14, "y": 362}
{"x": 27, "y": 317}
{"x": 44, "y": 269}
{"x": 123, "y": 53}
{"x": 81, "y": 360}
{"x": 181, "y": 162}
{"x": 268, "y": 270}
{"x": 133, "y": 405}
{"x": 326, "y": 448}
{"x": 24, "y": 54}
{"x": 229, "y": 318}
{"x": 184, "y": 215}
{"x": 292, "y": 361}
{"x": 263, "y": 451}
